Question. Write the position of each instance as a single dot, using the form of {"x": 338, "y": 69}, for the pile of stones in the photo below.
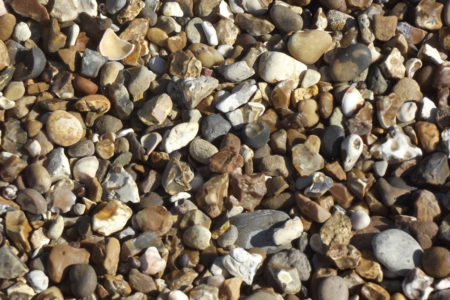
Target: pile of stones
{"x": 224, "y": 149}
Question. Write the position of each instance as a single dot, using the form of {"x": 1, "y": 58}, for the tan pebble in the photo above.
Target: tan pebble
{"x": 371, "y": 290}
{"x": 4, "y": 56}
{"x": 7, "y": 23}
{"x": 62, "y": 256}
{"x": 384, "y": 27}
{"x": 428, "y": 135}
{"x": 64, "y": 128}
{"x": 157, "y": 36}
{"x": 95, "y": 103}
{"x": 309, "y": 46}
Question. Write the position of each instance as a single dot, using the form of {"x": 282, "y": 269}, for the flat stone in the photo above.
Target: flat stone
{"x": 253, "y": 25}
{"x": 384, "y": 27}
{"x": 32, "y": 201}
{"x": 397, "y": 251}
{"x": 140, "y": 80}
{"x": 18, "y": 230}
{"x": 312, "y": 209}
{"x": 237, "y": 71}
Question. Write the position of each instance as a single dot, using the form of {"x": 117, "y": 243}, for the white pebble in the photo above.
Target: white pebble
{"x": 360, "y": 219}
{"x": 417, "y": 285}
{"x": 34, "y": 148}
{"x": 445, "y": 134}
{"x": 177, "y": 295}
{"x": 407, "y": 112}
{"x": 179, "y": 196}
{"x": 351, "y": 101}
{"x": 180, "y": 135}
{"x": 151, "y": 261}
{"x": 310, "y": 78}
{"x": 427, "y": 51}
{"x": 21, "y": 32}
{"x": 210, "y": 33}
{"x": 380, "y": 167}
{"x": 351, "y": 149}
{"x": 428, "y": 109}
{"x": 412, "y": 65}
{"x": 5, "y": 103}
{"x": 172, "y": 9}
{"x": 85, "y": 168}
{"x": 56, "y": 228}
{"x": 38, "y": 280}
{"x": 291, "y": 230}
{"x": 225, "y": 10}
{"x": 74, "y": 30}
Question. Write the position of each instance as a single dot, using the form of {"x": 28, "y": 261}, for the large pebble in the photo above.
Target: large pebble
{"x": 180, "y": 135}
{"x": 277, "y": 66}
{"x": 350, "y": 62}
{"x": 197, "y": 237}
{"x": 83, "y": 280}
{"x": 309, "y": 46}
{"x": 333, "y": 288}
{"x": 397, "y": 251}
{"x": 64, "y": 128}
{"x": 285, "y": 18}
{"x": 111, "y": 218}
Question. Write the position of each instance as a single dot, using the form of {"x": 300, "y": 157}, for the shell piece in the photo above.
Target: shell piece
{"x": 113, "y": 47}
{"x": 351, "y": 101}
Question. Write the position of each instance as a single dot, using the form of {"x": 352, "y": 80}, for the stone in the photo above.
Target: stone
{"x": 38, "y": 280}
{"x": 256, "y": 134}
{"x": 95, "y": 103}
{"x": 274, "y": 165}
{"x": 291, "y": 230}
{"x": 369, "y": 269}
{"x": 360, "y": 219}
{"x": 210, "y": 33}
{"x": 140, "y": 79}
{"x": 91, "y": 63}
{"x": 30, "y": 70}
{"x": 120, "y": 185}
{"x": 239, "y": 96}
{"x": 248, "y": 189}
{"x": 196, "y": 89}
{"x": 372, "y": 290}
{"x": 214, "y": 127}
{"x": 408, "y": 89}
{"x": 407, "y": 112}
{"x": 432, "y": 169}
{"x": 141, "y": 282}
{"x": 237, "y": 72}
{"x": 31, "y": 9}
{"x": 151, "y": 261}
{"x": 81, "y": 149}
{"x": 154, "y": 219}
{"x": 180, "y": 136}
{"x": 83, "y": 280}
{"x": 286, "y": 259}
{"x": 256, "y": 228}
{"x": 339, "y": 21}
{"x": 311, "y": 209}
{"x": 384, "y": 27}
{"x": 350, "y": 62}
{"x": 436, "y": 262}
{"x": 337, "y": 229}
{"x": 57, "y": 165}
{"x": 63, "y": 256}
{"x": 426, "y": 206}
{"x": 351, "y": 149}
{"x": 64, "y": 128}
{"x": 309, "y": 46}
{"x": 285, "y": 18}
{"x": 253, "y": 25}
{"x": 18, "y": 230}
{"x": 428, "y": 14}
{"x": 417, "y": 285}
{"x": 202, "y": 150}
{"x": 344, "y": 256}
{"x": 197, "y": 237}
{"x": 31, "y": 201}
{"x": 229, "y": 237}
{"x": 241, "y": 263}
{"x": 333, "y": 287}
{"x": 56, "y": 228}
{"x": 391, "y": 152}
{"x": 111, "y": 218}
{"x": 11, "y": 266}
{"x": 177, "y": 177}
{"x": 305, "y": 160}
{"x": 397, "y": 251}
{"x": 211, "y": 195}
{"x": 387, "y": 109}
{"x": 428, "y": 135}
{"x": 270, "y": 71}
{"x": 114, "y": 6}
{"x": 207, "y": 55}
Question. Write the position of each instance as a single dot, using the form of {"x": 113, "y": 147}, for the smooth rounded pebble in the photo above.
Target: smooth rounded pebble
{"x": 64, "y": 128}
{"x": 197, "y": 237}
{"x": 333, "y": 288}
{"x": 398, "y": 251}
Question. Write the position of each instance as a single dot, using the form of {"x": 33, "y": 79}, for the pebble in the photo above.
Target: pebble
{"x": 202, "y": 150}
{"x": 436, "y": 262}
{"x": 64, "y": 128}
{"x": 56, "y": 228}
{"x": 83, "y": 280}
{"x": 397, "y": 251}
{"x": 38, "y": 280}
{"x": 291, "y": 230}
{"x": 417, "y": 285}
{"x": 270, "y": 71}
{"x": 306, "y": 160}
{"x": 240, "y": 95}
{"x": 214, "y": 127}
{"x": 309, "y": 46}
{"x": 111, "y": 218}
{"x": 197, "y": 237}
{"x": 237, "y": 72}
{"x": 256, "y": 134}
{"x": 21, "y": 32}
{"x": 63, "y": 256}
{"x": 333, "y": 287}
{"x": 180, "y": 136}
{"x": 360, "y": 219}
{"x": 241, "y": 263}
{"x": 351, "y": 149}
{"x": 32, "y": 201}
{"x": 121, "y": 186}
{"x": 285, "y": 18}
{"x": 229, "y": 237}
{"x": 350, "y": 62}
{"x": 91, "y": 63}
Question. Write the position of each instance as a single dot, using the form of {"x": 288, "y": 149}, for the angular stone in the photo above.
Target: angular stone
{"x": 337, "y": 229}
{"x": 111, "y": 218}
{"x": 211, "y": 195}
{"x": 241, "y": 263}
{"x": 154, "y": 219}
{"x": 120, "y": 185}
{"x": 248, "y": 189}
{"x": 18, "y": 230}
{"x": 32, "y": 9}
{"x": 305, "y": 160}
{"x": 11, "y": 266}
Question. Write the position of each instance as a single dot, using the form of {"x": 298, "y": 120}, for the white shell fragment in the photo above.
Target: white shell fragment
{"x": 113, "y": 47}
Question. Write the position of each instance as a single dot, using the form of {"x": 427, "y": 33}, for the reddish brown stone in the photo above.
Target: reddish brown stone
{"x": 226, "y": 161}
{"x": 30, "y": 9}
{"x": 248, "y": 189}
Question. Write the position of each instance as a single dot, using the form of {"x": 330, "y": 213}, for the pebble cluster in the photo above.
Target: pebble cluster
{"x": 224, "y": 149}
